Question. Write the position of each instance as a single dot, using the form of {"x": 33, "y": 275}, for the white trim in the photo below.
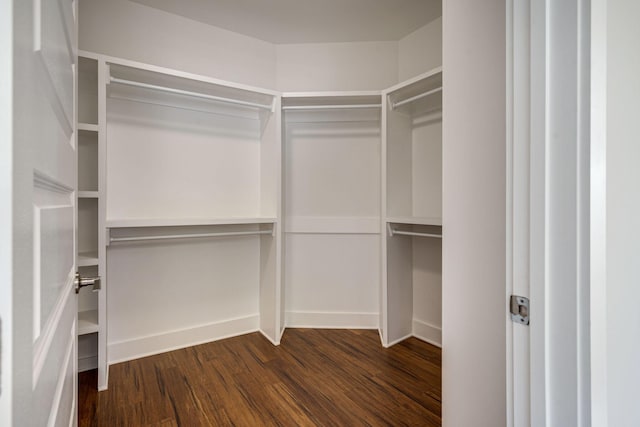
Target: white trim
{"x": 399, "y": 340}
{"x": 427, "y": 332}
{"x": 539, "y": 230}
{"x": 41, "y": 347}
{"x": 40, "y": 180}
{"x": 57, "y": 397}
{"x": 330, "y": 320}
{"x": 263, "y": 333}
{"x": 598, "y": 208}
{"x": 509, "y": 367}
{"x": 122, "y": 351}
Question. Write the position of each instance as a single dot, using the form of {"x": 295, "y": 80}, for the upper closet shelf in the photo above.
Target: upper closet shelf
{"x": 183, "y": 222}
{"x": 155, "y": 85}
{"x": 293, "y": 101}
{"x": 425, "y": 89}
{"x": 415, "y": 221}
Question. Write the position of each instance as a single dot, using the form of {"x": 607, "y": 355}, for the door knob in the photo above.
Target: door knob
{"x": 81, "y": 282}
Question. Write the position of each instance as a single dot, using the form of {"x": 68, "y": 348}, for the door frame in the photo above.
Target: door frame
{"x": 6, "y": 182}
{"x": 536, "y": 108}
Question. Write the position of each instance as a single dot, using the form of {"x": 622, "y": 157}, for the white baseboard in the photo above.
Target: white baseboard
{"x": 87, "y": 363}
{"x": 276, "y": 343}
{"x": 153, "y": 344}
{"x": 330, "y": 320}
{"x": 427, "y": 332}
{"x": 394, "y": 342}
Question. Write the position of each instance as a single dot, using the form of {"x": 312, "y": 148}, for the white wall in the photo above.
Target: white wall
{"x": 474, "y": 223}
{"x": 133, "y": 31}
{"x": 420, "y": 51}
{"x": 623, "y": 212}
{"x": 130, "y": 30}
{"x": 336, "y": 66}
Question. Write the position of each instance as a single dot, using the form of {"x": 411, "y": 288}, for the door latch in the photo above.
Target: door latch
{"x": 519, "y": 309}
{"x": 81, "y": 282}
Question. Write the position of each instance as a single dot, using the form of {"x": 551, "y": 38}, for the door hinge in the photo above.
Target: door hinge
{"x": 519, "y": 308}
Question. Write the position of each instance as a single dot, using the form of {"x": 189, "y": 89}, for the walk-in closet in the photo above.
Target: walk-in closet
{"x": 281, "y": 186}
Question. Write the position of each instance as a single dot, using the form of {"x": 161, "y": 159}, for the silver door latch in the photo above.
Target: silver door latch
{"x": 81, "y": 282}
{"x": 519, "y": 309}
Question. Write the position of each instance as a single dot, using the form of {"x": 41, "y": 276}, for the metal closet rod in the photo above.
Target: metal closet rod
{"x": 414, "y": 233}
{"x": 415, "y": 98}
{"x": 187, "y": 236}
{"x": 330, "y": 107}
{"x": 190, "y": 93}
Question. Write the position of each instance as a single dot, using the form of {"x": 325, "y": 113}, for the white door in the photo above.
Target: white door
{"x": 38, "y": 301}
{"x": 550, "y": 213}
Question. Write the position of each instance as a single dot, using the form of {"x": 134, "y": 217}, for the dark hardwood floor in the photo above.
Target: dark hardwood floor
{"x": 315, "y": 377}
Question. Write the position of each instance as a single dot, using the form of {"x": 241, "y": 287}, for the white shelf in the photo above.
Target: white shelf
{"x": 148, "y": 84}
{"x": 420, "y": 95}
{"x": 88, "y": 194}
{"x": 330, "y": 100}
{"x": 434, "y": 75}
{"x": 87, "y": 322}
{"x": 88, "y": 127}
{"x": 87, "y": 259}
{"x": 412, "y": 220}
{"x": 181, "y": 222}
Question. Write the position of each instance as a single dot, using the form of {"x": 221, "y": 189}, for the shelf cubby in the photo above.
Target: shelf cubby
{"x": 414, "y": 149}
{"x": 87, "y": 161}
{"x": 412, "y": 245}
{"x": 87, "y": 93}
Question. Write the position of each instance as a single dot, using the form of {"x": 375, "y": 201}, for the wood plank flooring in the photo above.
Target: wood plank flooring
{"x": 314, "y": 378}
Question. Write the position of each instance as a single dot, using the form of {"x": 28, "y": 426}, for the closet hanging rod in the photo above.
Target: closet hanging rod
{"x": 330, "y": 107}
{"x": 413, "y": 233}
{"x": 192, "y": 94}
{"x": 415, "y": 98}
{"x": 187, "y": 236}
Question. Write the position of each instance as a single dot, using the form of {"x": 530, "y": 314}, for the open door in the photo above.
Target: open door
{"x": 38, "y": 309}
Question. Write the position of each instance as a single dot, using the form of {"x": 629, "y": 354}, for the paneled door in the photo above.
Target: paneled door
{"x": 39, "y": 381}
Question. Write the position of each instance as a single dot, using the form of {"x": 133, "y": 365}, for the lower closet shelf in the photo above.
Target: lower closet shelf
{"x": 87, "y": 259}
{"x": 87, "y": 322}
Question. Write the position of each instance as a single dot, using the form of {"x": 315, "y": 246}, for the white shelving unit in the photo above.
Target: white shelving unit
{"x": 412, "y": 240}
{"x": 91, "y": 258}
{"x": 332, "y": 208}
{"x": 193, "y": 211}
{"x": 224, "y": 209}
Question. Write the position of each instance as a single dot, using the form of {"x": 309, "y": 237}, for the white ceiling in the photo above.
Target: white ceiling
{"x": 309, "y": 21}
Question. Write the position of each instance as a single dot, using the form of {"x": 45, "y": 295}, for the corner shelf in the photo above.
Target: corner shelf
{"x": 87, "y": 259}
{"x": 88, "y": 322}
{"x": 87, "y": 127}
{"x": 88, "y": 194}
